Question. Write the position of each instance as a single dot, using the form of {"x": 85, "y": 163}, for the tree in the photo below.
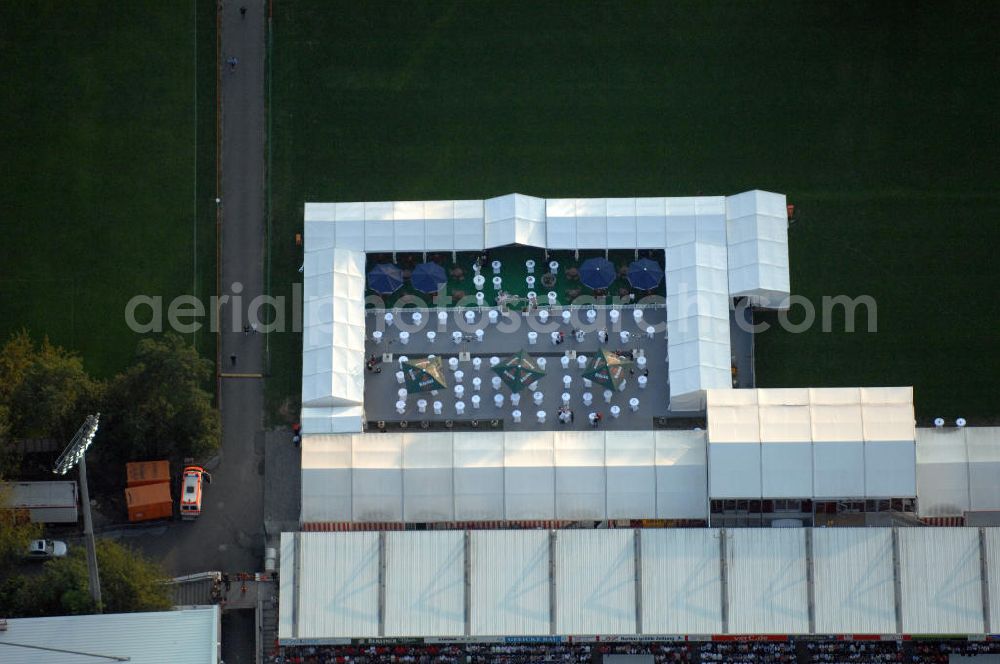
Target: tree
{"x": 53, "y": 396}
{"x": 158, "y": 407}
{"x": 129, "y": 583}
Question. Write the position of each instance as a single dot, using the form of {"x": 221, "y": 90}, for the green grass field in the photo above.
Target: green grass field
{"x": 107, "y": 136}
{"x": 878, "y": 120}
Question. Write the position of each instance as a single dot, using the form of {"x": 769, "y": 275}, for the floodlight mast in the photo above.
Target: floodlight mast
{"x": 76, "y": 454}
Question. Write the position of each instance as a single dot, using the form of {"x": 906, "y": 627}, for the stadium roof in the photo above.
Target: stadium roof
{"x": 629, "y": 582}
{"x": 717, "y": 247}
{"x": 187, "y": 635}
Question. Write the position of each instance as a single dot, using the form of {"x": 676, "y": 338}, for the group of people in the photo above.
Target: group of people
{"x": 374, "y": 364}
{"x": 666, "y": 652}
{"x": 565, "y": 415}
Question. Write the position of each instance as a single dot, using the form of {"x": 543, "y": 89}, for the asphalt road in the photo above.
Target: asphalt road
{"x": 229, "y": 535}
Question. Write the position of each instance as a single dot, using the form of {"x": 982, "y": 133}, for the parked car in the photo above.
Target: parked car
{"x": 46, "y": 549}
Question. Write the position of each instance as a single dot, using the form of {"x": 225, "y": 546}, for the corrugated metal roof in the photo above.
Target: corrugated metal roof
{"x": 595, "y": 582}
{"x": 767, "y": 591}
{"x": 425, "y": 584}
{"x": 681, "y": 582}
{"x": 993, "y": 575}
{"x": 344, "y": 598}
{"x": 852, "y": 572}
{"x": 510, "y": 582}
{"x": 165, "y": 637}
{"x": 940, "y": 580}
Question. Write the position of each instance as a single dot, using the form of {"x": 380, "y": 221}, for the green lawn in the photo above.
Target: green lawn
{"x": 877, "y": 119}
{"x": 107, "y": 136}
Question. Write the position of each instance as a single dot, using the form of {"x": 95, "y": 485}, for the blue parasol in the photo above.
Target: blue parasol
{"x": 385, "y": 278}
{"x": 428, "y": 277}
{"x": 597, "y": 273}
{"x": 645, "y": 274}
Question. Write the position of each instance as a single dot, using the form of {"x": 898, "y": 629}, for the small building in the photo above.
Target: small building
{"x": 46, "y": 502}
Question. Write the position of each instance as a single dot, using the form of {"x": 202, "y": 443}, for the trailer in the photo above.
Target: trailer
{"x": 45, "y": 502}
{"x": 149, "y": 502}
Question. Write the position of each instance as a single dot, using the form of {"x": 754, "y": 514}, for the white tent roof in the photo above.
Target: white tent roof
{"x": 757, "y": 231}
{"x": 702, "y": 236}
{"x": 333, "y": 340}
{"x": 519, "y": 580}
{"x": 161, "y": 637}
{"x": 816, "y": 442}
{"x": 497, "y": 476}
{"x": 958, "y": 470}
{"x": 510, "y": 576}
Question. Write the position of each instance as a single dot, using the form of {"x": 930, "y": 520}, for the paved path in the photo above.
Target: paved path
{"x": 237, "y": 495}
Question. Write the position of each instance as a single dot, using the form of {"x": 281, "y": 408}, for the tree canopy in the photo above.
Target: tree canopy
{"x": 129, "y": 583}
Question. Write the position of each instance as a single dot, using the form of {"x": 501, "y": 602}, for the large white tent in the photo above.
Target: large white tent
{"x": 701, "y": 235}
{"x": 812, "y": 443}
{"x": 503, "y": 476}
{"x": 958, "y": 470}
{"x": 757, "y": 230}
{"x": 618, "y": 582}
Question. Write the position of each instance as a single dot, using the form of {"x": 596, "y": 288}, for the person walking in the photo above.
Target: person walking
{"x": 243, "y": 12}
{"x": 232, "y": 358}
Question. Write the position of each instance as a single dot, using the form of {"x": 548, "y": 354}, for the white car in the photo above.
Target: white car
{"x": 46, "y": 549}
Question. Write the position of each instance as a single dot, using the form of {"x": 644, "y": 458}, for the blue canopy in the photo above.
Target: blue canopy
{"x": 385, "y": 278}
{"x": 597, "y": 272}
{"x": 645, "y": 274}
{"x": 428, "y": 277}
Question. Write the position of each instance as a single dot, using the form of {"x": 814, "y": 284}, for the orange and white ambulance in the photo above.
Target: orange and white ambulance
{"x": 191, "y": 490}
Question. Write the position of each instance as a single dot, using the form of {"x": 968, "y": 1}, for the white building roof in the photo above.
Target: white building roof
{"x": 163, "y": 637}
{"x": 812, "y": 443}
{"x": 510, "y": 582}
{"x": 504, "y": 476}
{"x": 766, "y": 587}
{"x": 701, "y": 235}
{"x": 852, "y": 568}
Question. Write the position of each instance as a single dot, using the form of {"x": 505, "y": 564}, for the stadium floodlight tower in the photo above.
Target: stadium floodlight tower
{"x": 76, "y": 454}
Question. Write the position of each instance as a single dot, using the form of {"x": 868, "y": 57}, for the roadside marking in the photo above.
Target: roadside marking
{"x": 241, "y": 375}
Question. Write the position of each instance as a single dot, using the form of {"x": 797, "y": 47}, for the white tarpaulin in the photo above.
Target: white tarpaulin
{"x": 496, "y": 476}
{"x": 811, "y": 443}
{"x": 333, "y": 340}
